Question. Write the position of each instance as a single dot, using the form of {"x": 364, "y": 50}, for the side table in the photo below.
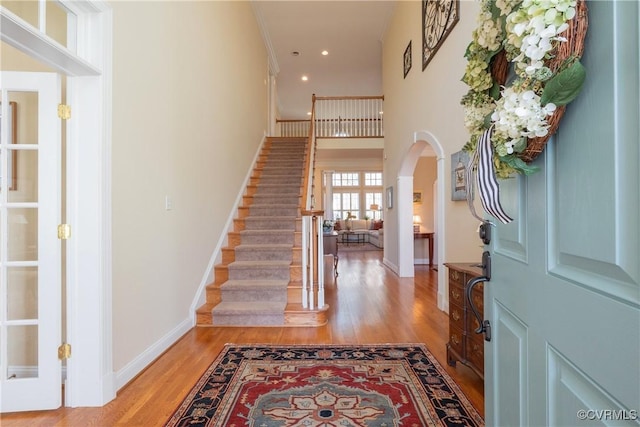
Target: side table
{"x": 330, "y": 245}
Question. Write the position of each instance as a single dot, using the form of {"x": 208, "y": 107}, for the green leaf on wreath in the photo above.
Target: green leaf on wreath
{"x": 487, "y": 121}
{"x": 564, "y": 86}
{"x": 519, "y": 165}
{"x": 467, "y": 53}
{"x": 494, "y": 92}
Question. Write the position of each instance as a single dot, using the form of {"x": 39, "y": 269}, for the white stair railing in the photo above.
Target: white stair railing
{"x": 312, "y": 244}
{"x": 339, "y": 117}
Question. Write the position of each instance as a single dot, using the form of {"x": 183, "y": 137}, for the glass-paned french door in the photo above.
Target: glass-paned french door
{"x": 30, "y": 254}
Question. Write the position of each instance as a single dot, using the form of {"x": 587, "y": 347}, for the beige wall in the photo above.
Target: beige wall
{"x": 189, "y": 113}
{"x": 429, "y": 101}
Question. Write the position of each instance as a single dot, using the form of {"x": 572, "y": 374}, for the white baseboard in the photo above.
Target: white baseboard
{"x": 137, "y": 365}
{"x": 391, "y": 265}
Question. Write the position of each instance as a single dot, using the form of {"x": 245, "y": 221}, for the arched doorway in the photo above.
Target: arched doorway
{"x": 405, "y": 184}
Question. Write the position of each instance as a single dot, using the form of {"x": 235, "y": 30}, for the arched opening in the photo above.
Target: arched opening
{"x": 423, "y": 141}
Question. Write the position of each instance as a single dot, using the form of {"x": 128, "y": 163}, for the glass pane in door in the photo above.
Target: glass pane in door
{"x": 24, "y": 175}
{"x": 22, "y": 234}
{"x": 22, "y": 293}
{"x": 22, "y": 361}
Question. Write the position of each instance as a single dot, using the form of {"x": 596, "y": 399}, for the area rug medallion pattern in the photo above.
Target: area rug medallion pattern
{"x": 325, "y": 385}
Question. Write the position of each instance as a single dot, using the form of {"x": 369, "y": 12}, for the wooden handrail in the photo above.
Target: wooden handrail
{"x": 335, "y": 98}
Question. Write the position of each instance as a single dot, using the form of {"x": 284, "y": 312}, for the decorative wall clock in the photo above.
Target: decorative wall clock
{"x": 438, "y": 19}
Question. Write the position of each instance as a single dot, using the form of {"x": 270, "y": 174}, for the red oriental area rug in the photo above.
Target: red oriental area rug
{"x": 325, "y": 385}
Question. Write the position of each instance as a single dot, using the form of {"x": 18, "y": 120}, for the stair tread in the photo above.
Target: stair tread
{"x": 259, "y": 264}
{"x": 254, "y": 284}
{"x": 263, "y": 217}
{"x": 264, "y": 246}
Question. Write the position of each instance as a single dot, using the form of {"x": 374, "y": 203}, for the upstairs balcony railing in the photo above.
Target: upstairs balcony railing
{"x": 340, "y": 117}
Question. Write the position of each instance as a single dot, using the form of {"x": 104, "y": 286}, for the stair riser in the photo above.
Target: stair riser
{"x": 242, "y": 254}
{"x": 253, "y": 295}
{"x": 253, "y": 237}
{"x": 267, "y": 223}
{"x": 273, "y": 211}
{"x": 244, "y": 320}
{"x": 257, "y": 273}
{"x": 276, "y": 179}
{"x": 261, "y": 199}
{"x": 279, "y": 179}
{"x": 263, "y": 189}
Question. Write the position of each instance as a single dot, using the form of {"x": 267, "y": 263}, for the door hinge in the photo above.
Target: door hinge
{"x": 64, "y": 111}
{"x": 64, "y": 351}
{"x": 64, "y": 231}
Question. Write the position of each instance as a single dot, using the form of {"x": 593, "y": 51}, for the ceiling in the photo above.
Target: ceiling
{"x": 351, "y": 32}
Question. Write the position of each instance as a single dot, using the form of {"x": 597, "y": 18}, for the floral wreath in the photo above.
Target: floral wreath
{"x": 542, "y": 42}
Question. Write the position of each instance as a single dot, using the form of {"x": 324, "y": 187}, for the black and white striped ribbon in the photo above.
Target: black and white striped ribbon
{"x": 481, "y": 165}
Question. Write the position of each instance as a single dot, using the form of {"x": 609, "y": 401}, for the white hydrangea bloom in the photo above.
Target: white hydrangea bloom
{"x": 518, "y": 115}
{"x": 533, "y": 29}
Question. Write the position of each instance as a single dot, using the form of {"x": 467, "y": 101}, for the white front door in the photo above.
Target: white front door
{"x": 30, "y": 252}
{"x": 564, "y": 294}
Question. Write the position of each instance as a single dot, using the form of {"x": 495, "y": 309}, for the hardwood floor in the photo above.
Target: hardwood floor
{"x": 368, "y": 304}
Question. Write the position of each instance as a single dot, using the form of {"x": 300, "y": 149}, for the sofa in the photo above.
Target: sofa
{"x": 372, "y": 229}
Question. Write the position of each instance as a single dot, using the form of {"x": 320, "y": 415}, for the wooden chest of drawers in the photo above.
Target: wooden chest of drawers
{"x": 465, "y": 345}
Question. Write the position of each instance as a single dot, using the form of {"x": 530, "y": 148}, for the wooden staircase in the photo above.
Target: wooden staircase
{"x": 266, "y": 243}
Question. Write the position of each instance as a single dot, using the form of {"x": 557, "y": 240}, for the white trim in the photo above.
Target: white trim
{"x": 137, "y": 365}
{"x": 404, "y": 202}
{"x": 91, "y": 380}
{"x": 273, "y": 59}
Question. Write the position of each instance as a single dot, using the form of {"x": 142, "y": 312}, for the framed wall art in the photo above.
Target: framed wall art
{"x": 407, "y": 60}
{"x": 438, "y": 19}
{"x": 459, "y": 164}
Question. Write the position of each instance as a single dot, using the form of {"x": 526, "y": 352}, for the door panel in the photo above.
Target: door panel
{"x": 564, "y": 295}
{"x": 30, "y": 253}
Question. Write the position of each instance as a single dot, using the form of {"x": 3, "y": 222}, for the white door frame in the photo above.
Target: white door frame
{"x": 90, "y": 376}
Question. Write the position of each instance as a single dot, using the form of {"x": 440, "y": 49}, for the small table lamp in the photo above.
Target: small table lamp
{"x": 416, "y": 223}
{"x": 375, "y": 208}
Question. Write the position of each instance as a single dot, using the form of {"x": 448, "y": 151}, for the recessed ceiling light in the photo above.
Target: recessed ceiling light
{"x": 295, "y": 53}
{"x": 305, "y": 78}
{"x": 325, "y": 52}
{"x": 308, "y": 113}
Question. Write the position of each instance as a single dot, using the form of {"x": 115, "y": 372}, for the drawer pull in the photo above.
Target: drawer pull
{"x": 455, "y": 315}
{"x": 455, "y": 275}
{"x": 455, "y": 339}
{"x": 455, "y": 294}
